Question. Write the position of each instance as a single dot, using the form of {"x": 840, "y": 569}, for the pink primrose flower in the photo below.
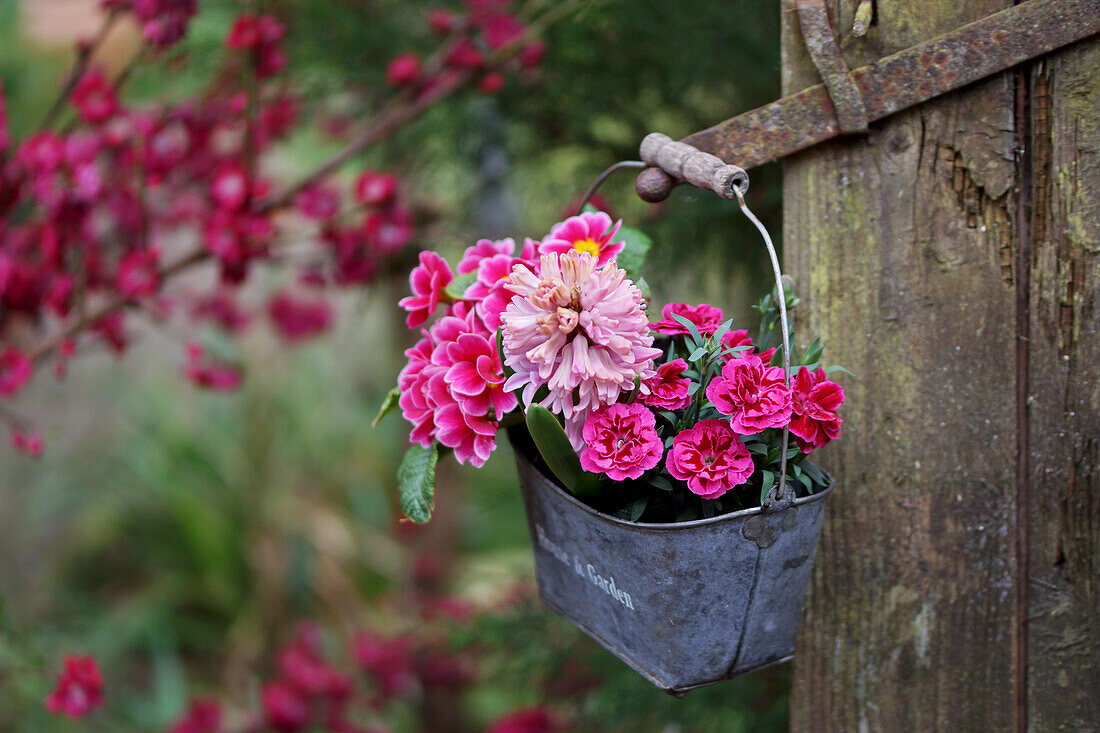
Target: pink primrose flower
{"x": 476, "y": 377}
{"x": 815, "y": 401}
{"x": 706, "y": 318}
{"x": 752, "y": 394}
{"x": 667, "y": 389}
{"x": 490, "y": 291}
{"x": 589, "y": 232}
{"x": 710, "y": 458}
{"x": 413, "y": 381}
{"x": 79, "y": 688}
{"x": 579, "y": 331}
{"x": 621, "y": 441}
{"x": 428, "y": 282}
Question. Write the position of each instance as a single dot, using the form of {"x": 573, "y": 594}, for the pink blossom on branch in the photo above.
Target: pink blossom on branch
{"x": 403, "y": 69}
{"x": 15, "y": 371}
{"x": 94, "y": 97}
{"x": 815, "y": 401}
{"x": 202, "y": 716}
{"x": 27, "y": 442}
{"x": 298, "y": 319}
{"x": 710, "y": 457}
{"x": 375, "y": 189}
{"x": 79, "y": 688}
{"x": 752, "y": 394}
{"x": 620, "y": 441}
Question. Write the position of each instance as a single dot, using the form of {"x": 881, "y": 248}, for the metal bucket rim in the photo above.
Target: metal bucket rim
{"x": 672, "y": 526}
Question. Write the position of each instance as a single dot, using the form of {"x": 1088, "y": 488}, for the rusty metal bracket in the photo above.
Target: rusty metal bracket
{"x": 907, "y": 78}
{"x": 843, "y": 92}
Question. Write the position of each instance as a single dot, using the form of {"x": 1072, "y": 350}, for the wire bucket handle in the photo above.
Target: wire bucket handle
{"x": 672, "y": 161}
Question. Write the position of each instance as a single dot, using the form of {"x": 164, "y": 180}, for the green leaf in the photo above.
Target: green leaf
{"x": 721, "y": 330}
{"x": 555, "y": 449}
{"x": 458, "y": 286}
{"x": 835, "y": 368}
{"x": 690, "y": 326}
{"x": 813, "y": 353}
{"x": 643, "y": 286}
{"x": 698, "y": 354}
{"x": 693, "y": 388}
{"x": 505, "y": 369}
{"x": 388, "y": 405}
{"x": 638, "y": 508}
{"x": 634, "y": 252}
{"x": 416, "y": 482}
{"x": 766, "y": 483}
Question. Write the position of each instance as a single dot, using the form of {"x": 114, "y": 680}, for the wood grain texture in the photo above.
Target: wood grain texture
{"x": 1064, "y": 395}
{"x": 902, "y": 246}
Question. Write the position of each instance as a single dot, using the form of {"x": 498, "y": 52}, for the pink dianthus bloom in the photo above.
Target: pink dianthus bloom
{"x": 589, "y": 232}
{"x": 620, "y": 441}
{"x": 710, "y": 458}
{"x": 579, "y": 331}
{"x": 815, "y": 401}
{"x": 79, "y": 688}
{"x": 667, "y": 389}
{"x": 428, "y": 282}
{"x": 706, "y": 318}
{"x": 752, "y": 394}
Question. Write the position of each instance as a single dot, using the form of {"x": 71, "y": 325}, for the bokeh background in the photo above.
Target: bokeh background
{"x": 183, "y": 536}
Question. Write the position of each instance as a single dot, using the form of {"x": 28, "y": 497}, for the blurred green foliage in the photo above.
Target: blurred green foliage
{"x": 178, "y": 535}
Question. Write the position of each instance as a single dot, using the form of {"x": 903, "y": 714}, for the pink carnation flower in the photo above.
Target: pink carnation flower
{"x": 710, "y": 458}
{"x": 428, "y": 282}
{"x": 580, "y": 332}
{"x": 667, "y": 389}
{"x": 815, "y": 401}
{"x": 620, "y": 441}
{"x": 753, "y": 395}
{"x": 706, "y": 318}
{"x": 590, "y": 232}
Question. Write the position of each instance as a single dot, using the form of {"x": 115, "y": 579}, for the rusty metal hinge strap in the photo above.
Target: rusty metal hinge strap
{"x": 843, "y": 92}
{"x": 907, "y": 78}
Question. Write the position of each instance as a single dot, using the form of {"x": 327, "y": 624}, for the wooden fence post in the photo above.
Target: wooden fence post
{"x": 951, "y": 259}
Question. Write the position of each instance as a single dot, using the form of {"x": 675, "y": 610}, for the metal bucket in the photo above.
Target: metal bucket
{"x": 685, "y": 604}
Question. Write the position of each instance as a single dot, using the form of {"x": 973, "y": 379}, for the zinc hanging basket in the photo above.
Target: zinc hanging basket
{"x": 685, "y": 604}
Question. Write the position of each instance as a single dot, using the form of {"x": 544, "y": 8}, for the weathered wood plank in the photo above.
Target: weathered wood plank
{"x": 1064, "y": 396}
{"x": 902, "y": 246}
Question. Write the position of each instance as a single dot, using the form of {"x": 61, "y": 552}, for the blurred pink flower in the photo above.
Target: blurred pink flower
{"x": 815, "y": 401}
{"x": 526, "y": 720}
{"x": 375, "y": 189}
{"x": 318, "y": 202}
{"x": 710, "y": 458}
{"x": 94, "y": 97}
{"x": 667, "y": 389}
{"x": 580, "y": 332}
{"x": 297, "y": 319}
{"x": 79, "y": 688}
{"x": 390, "y": 229}
{"x": 388, "y": 660}
{"x": 620, "y": 441}
{"x": 202, "y": 716}
{"x": 15, "y": 370}
{"x": 285, "y": 708}
{"x": 138, "y": 275}
{"x": 752, "y": 394}
{"x": 27, "y": 442}
{"x": 589, "y": 232}
{"x": 208, "y": 374}
{"x": 706, "y": 318}
{"x": 403, "y": 69}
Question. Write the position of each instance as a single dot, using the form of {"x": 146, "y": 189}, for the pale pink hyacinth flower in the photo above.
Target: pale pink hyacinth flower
{"x": 579, "y": 331}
